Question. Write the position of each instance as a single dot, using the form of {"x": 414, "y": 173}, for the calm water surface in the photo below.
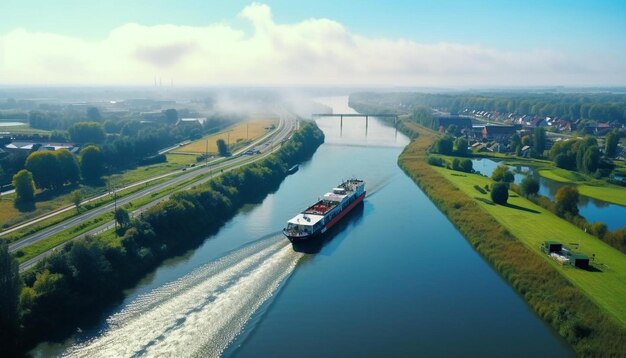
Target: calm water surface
{"x": 613, "y": 215}
{"x": 395, "y": 279}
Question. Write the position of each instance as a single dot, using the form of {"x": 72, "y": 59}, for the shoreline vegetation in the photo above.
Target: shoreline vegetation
{"x": 74, "y": 286}
{"x": 589, "y": 329}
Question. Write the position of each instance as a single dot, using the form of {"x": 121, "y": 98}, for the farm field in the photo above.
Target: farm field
{"x": 240, "y": 133}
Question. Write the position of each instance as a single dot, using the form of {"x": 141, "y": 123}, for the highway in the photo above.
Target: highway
{"x": 286, "y": 126}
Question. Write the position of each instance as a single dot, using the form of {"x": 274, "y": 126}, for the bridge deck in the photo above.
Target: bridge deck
{"x": 354, "y": 115}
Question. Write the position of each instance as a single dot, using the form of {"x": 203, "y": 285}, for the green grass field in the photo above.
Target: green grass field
{"x": 532, "y": 225}
{"x": 593, "y": 188}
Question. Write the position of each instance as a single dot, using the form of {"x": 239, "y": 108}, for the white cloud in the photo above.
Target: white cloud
{"x": 310, "y": 52}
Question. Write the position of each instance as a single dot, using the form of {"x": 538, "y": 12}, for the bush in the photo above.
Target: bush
{"x": 466, "y": 165}
{"x": 503, "y": 174}
{"x": 529, "y": 186}
{"x": 436, "y": 161}
{"x": 500, "y": 193}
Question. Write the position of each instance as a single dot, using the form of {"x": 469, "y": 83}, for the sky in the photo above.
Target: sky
{"x": 317, "y": 43}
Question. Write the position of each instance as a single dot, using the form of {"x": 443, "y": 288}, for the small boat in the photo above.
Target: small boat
{"x": 293, "y": 169}
{"x": 326, "y": 212}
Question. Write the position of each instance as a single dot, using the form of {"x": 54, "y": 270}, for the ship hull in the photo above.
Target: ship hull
{"x": 302, "y": 237}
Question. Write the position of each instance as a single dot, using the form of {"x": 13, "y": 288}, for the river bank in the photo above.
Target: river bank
{"x": 589, "y": 329}
{"x": 74, "y": 286}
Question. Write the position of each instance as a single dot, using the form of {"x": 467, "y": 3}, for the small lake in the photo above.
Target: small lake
{"x": 613, "y": 215}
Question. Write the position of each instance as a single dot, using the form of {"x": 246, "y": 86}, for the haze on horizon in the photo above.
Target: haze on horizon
{"x": 251, "y": 46}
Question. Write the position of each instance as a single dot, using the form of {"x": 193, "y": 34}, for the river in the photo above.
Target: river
{"x": 395, "y": 278}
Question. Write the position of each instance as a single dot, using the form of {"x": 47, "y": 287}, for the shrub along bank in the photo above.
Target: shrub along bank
{"x": 75, "y": 285}
{"x": 590, "y": 330}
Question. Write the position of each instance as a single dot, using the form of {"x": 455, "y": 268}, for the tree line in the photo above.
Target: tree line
{"x": 605, "y": 107}
{"x": 72, "y": 286}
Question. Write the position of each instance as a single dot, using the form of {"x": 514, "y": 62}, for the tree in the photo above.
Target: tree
{"x": 77, "y": 198}
{"x": 45, "y": 169}
{"x": 539, "y": 140}
{"x": 93, "y": 114}
{"x": 567, "y": 201}
{"x": 502, "y": 174}
{"x": 87, "y": 132}
{"x": 529, "y": 186}
{"x": 171, "y": 116}
{"x": 444, "y": 145}
{"x": 466, "y": 165}
{"x": 611, "y": 141}
{"x": 122, "y": 217}
{"x": 10, "y": 285}
{"x": 515, "y": 142}
{"x": 453, "y": 130}
{"x": 68, "y": 166}
{"x": 24, "y": 186}
{"x": 91, "y": 163}
{"x": 500, "y": 193}
{"x": 222, "y": 148}
{"x": 460, "y": 147}
{"x": 591, "y": 159}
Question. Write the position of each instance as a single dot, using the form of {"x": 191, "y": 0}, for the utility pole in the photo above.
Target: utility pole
{"x": 112, "y": 187}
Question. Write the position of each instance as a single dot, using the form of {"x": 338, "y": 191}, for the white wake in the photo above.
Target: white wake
{"x": 200, "y": 313}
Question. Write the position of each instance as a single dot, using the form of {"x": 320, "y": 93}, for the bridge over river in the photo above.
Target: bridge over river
{"x": 366, "y": 115}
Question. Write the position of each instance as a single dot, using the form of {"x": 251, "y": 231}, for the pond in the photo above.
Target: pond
{"x": 613, "y": 215}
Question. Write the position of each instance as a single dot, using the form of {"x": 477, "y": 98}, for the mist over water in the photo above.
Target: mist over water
{"x": 200, "y": 313}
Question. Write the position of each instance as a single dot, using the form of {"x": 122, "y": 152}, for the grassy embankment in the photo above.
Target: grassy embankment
{"x": 554, "y": 292}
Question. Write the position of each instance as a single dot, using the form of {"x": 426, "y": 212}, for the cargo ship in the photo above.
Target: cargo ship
{"x": 326, "y": 212}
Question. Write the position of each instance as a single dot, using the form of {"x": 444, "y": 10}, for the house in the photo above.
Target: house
{"x": 491, "y": 132}
{"x": 199, "y": 121}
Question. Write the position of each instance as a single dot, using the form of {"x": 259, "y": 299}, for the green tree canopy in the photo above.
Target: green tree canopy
{"x": 171, "y": 116}
{"x": 502, "y": 174}
{"x": 87, "y": 132}
{"x": 529, "y": 186}
{"x": 122, "y": 217}
{"x": 91, "y": 163}
{"x": 567, "y": 200}
{"x": 77, "y": 197}
{"x": 93, "y": 114}
{"x": 45, "y": 169}
{"x": 460, "y": 147}
{"x": 611, "y": 141}
{"x": 10, "y": 285}
{"x": 539, "y": 140}
{"x": 24, "y": 186}
{"x": 222, "y": 148}
{"x": 68, "y": 166}
{"x": 444, "y": 145}
{"x": 500, "y": 193}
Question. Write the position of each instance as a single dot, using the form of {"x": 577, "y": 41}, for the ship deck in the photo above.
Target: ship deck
{"x": 320, "y": 208}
